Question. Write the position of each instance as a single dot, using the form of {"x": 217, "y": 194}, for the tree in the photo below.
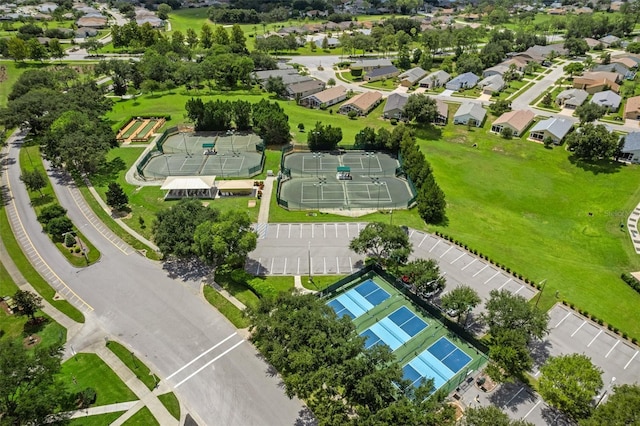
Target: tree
{"x": 242, "y": 114}
{"x": 593, "y": 142}
{"x": 573, "y": 68}
{"x": 174, "y": 228}
{"x": 424, "y": 274}
{"x": 238, "y": 40}
{"x": 28, "y": 303}
{"x": 116, "y": 197}
{"x": 460, "y": 301}
{"x": 221, "y": 36}
{"x": 30, "y": 390}
{"x": 58, "y": 226}
{"x": 499, "y": 107}
{"x": 331, "y": 82}
{"x": 431, "y": 201}
{"x": 55, "y": 49}
{"x": 276, "y": 85}
{"x": 576, "y": 46}
{"x": 621, "y": 409}
{"x": 508, "y": 311}
{"x": 225, "y": 242}
{"x": 510, "y": 356}
{"x": 469, "y": 62}
{"x": 588, "y": 112}
{"x": 34, "y": 180}
{"x": 490, "y": 416}
{"x": 163, "y": 11}
{"x": 271, "y": 123}
{"x": 569, "y": 383}
{"x": 547, "y": 100}
{"x": 206, "y": 37}
{"x": 324, "y": 138}
{"x": 421, "y": 108}
{"x": 17, "y": 49}
{"x": 387, "y": 244}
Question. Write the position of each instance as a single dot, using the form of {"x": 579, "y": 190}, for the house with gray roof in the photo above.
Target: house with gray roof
{"x": 264, "y": 75}
{"x": 572, "y": 98}
{"x": 608, "y": 99}
{"x": 394, "y": 108}
{"x": 554, "y": 128}
{"x": 412, "y": 76}
{"x": 609, "y": 40}
{"x": 631, "y": 148}
{"x": 435, "y": 79}
{"x": 381, "y": 73}
{"x": 470, "y": 112}
{"x": 463, "y": 81}
{"x": 369, "y": 64}
{"x": 491, "y": 84}
{"x": 618, "y": 68}
{"x": 499, "y": 69}
{"x": 303, "y": 89}
{"x": 332, "y": 42}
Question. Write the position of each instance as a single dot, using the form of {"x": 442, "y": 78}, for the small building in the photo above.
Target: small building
{"x": 264, "y": 75}
{"x": 435, "y": 80}
{"x": 492, "y": 84}
{"x": 540, "y": 54}
{"x": 518, "y": 121}
{"x": 189, "y": 187}
{"x": 631, "y": 148}
{"x": 443, "y": 112}
{"x": 327, "y": 97}
{"x": 619, "y": 68}
{"x": 394, "y": 108}
{"x": 85, "y": 32}
{"x": 594, "y": 82}
{"x": 554, "y": 128}
{"x": 499, "y": 69}
{"x": 370, "y": 64}
{"x": 92, "y": 22}
{"x": 470, "y": 112}
{"x": 304, "y": 89}
{"x": 571, "y": 98}
{"x": 592, "y": 42}
{"x": 632, "y": 108}
{"x": 467, "y": 80}
{"x": 609, "y": 40}
{"x": 518, "y": 62}
{"x": 332, "y": 42}
{"x": 381, "y": 73}
{"x": 627, "y": 61}
{"x": 411, "y": 77}
{"x": 362, "y": 103}
{"x": 608, "y": 99}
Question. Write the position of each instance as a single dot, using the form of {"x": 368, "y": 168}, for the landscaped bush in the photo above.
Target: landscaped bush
{"x": 51, "y": 212}
{"x": 87, "y": 397}
{"x": 631, "y": 281}
{"x": 59, "y": 226}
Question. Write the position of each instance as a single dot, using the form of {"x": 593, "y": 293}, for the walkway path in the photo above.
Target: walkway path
{"x": 263, "y": 215}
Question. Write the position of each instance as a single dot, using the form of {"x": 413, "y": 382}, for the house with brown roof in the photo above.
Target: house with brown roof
{"x": 362, "y": 103}
{"x": 632, "y": 108}
{"x": 92, "y": 22}
{"x": 598, "y": 81}
{"x": 327, "y": 97}
{"x": 443, "y": 112}
{"x": 626, "y": 61}
{"x": 591, "y": 42}
{"x": 518, "y": 121}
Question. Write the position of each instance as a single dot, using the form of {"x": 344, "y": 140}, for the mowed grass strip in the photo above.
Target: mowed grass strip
{"x": 171, "y": 403}
{"x": 226, "y": 308}
{"x": 142, "y": 418}
{"x": 89, "y": 371}
{"x": 137, "y": 367}
{"x": 97, "y": 420}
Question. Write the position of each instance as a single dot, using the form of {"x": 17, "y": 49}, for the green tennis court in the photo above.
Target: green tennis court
{"x": 361, "y": 163}
{"x": 191, "y": 143}
{"x": 221, "y": 165}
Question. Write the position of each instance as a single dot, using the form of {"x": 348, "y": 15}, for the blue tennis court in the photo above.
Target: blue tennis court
{"x": 385, "y": 332}
{"x": 372, "y": 292}
{"x": 358, "y": 300}
{"x": 440, "y": 362}
{"x": 408, "y": 321}
{"x": 450, "y": 355}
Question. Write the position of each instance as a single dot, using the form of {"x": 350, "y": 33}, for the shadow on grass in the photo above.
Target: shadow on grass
{"x": 429, "y": 133}
{"x": 596, "y": 167}
{"x": 34, "y": 326}
{"x": 41, "y": 200}
{"x": 108, "y": 172}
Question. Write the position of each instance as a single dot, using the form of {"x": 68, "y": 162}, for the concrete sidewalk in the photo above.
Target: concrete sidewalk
{"x": 265, "y": 201}
{"x": 103, "y": 409}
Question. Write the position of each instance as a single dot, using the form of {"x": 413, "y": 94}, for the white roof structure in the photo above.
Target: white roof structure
{"x": 188, "y": 182}
{"x": 228, "y": 185}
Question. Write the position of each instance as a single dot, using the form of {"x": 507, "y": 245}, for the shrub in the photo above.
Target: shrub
{"x": 610, "y": 327}
{"x": 624, "y": 336}
{"x": 77, "y": 250}
{"x": 564, "y": 302}
{"x": 631, "y": 281}
{"x": 571, "y": 305}
{"x": 69, "y": 240}
{"x": 59, "y": 226}
{"x": 352, "y": 114}
{"x": 51, "y": 212}
{"x": 634, "y": 340}
{"x": 87, "y": 397}
{"x": 393, "y": 121}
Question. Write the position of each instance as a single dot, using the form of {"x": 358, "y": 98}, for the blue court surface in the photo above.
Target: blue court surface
{"x": 394, "y": 330}
{"x": 358, "y": 300}
{"x": 440, "y": 362}
{"x": 408, "y": 321}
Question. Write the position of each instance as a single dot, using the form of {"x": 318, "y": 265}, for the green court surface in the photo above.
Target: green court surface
{"x": 361, "y": 164}
{"x": 147, "y": 128}
{"x": 131, "y": 130}
{"x": 427, "y": 350}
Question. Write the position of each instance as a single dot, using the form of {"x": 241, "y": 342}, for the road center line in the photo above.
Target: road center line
{"x": 578, "y": 329}
{"x": 634, "y": 355}
{"x": 612, "y": 348}
{"x": 201, "y": 355}
{"x": 594, "y": 338}
{"x": 210, "y": 362}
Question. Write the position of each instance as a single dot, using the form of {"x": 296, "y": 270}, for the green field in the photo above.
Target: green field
{"x": 171, "y": 403}
{"x": 142, "y": 418}
{"x": 137, "y": 367}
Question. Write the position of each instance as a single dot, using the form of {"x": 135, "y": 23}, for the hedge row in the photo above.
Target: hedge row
{"x": 631, "y": 281}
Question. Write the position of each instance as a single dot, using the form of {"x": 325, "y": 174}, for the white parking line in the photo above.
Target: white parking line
{"x": 470, "y": 263}
{"x": 324, "y": 230}
{"x": 350, "y": 264}
{"x": 298, "y": 273}
{"x": 258, "y": 268}
{"x": 348, "y": 230}
{"x": 442, "y": 255}
{"x": 425, "y": 237}
{"x": 336, "y": 229}
{"x": 612, "y": 348}
{"x": 457, "y": 258}
{"x": 492, "y": 277}
{"x": 485, "y": 267}
{"x": 273, "y": 259}
{"x": 337, "y": 265}
{"x": 518, "y": 290}
{"x": 289, "y": 231}
{"x": 578, "y": 329}
{"x": 562, "y": 320}
{"x": 284, "y": 271}
{"x": 514, "y": 396}
{"x": 324, "y": 260}
{"x": 411, "y": 233}
{"x": 532, "y": 408}
{"x": 277, "y": 231}
{"x": 313, "y": 230}
{"x": 200, "y": 356}
{"x": 434, "y": 246}
{"x": 210, "y": 362}
{"x": 634, "y": 355}
{"x": 594, "y": 338}
{"x": 505, "y": 283}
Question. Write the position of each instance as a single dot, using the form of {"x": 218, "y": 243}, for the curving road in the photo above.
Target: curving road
{"x": 216, "y": 373}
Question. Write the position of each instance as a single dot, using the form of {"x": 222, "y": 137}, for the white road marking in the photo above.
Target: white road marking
{"x": 313, "y": 230}
{"x": 562, "y": 320}
{"x": 324, "y": 260}
{"x": 594, "y": 339}
{"x": 457, "y": 258}
{"x": 258, "y": 268}
{"x": 470, "y": 263}
{"x": 350, "y": 264}
{"x": 336, "y": 229}
{"x": 492, "y": 277}
{"x": 425, "y": 237}
{"x": 532, "y": 408}
{"x": 518, "y": 290}
{"x": 634, "y": 355}
{"x": 612, "y": 348}
{"x": 578, "y": 329}
{"x": 289, "y": 231}
{"x": 434, "y": 246}
{"x": 298, "y": 273}
{"x": 200, "y": 356}
{"x": 324, "y": 229}
{"x": 337, "y": 265}
{"x": 300, "y": 230}
{"x": 273, "y": 259}
{"x": 514, "y": 396}
{"x": 277, "y": 231}
{"x": 210, "y": 362}
{"x": 485, "y": 267}
{"x": 447, "y": 251}
{"x": 348, "y": 230}
{"x": 285, "y": 266}
{"x": 505, "y": 283}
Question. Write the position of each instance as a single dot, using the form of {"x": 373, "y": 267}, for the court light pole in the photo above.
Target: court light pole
{"x": 317, "y": 156}
{"x": 309, "y": 258}
{"x": 369, "y": 155}
{"x": 166, "y": 159}
{"x": 380, "y": 185}
{"x": 318, "y": 185}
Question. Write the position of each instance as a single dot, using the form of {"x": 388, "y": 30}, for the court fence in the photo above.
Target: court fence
{"x": 143, "y": 162}
{"x": 169, "y": 132}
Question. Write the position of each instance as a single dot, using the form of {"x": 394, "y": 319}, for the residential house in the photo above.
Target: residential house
{"x": 554, "y": 128}
{"x": 592, "y": 42}
{"x": 492, "y": 84}
{"x": 593, "y": 82}
{"x": 443, "y": 112}
{"x": 412, "y": 76}
{"x": 632, "y": 108}
{"x": 540, "y": 54}
{"x": 92, "y": 22}
{"x": 608, "y": 98}
{"x": 362, "y": 103}
{"x": 499, "y": 69}
{"x": 85, "y": 32}
{"x": 631, "y": 148}
{"x": 609, "y": 40}
{"x": 630, "y": 62}
{"x": 470, "y": 113}
{"x": 571, "y": 98}
{"x": 332, "y": 42}
{"x": 435, "y": 79}
{"x": 370, "y": 64}
{"x": 394, "y": 108}
{"x": 619, "y": 68}
{"x": 144, "y": 16}
{"x": 583, "y": 10}
{"x": 463, "y": 81}
{"x": 381, "y": 73}
{"x": 264, "y": 75}
{"x": 327, "y": 97}
{"x": 303, "y": 89}
{"x": 615, "y": 6}
{"x": 518, "y": 121}
{"x": 519, "y": 63}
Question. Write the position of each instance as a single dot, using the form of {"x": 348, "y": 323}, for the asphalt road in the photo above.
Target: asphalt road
{"x": 216, "y": 373}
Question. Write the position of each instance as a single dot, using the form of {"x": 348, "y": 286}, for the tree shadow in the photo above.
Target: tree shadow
{"x": 5, "y": 196}
{"x": 540, "y": 351}
{"x": 34, "y": 326}
{"x": 108, "y": 172}
{"x": 305, "y": 418}
{"x": 186, "y": 269}
{"x": 254, "y": 267}
{"x": 553, "y": 416}
{"x": 509, "y": 396}
{"x": 41, "y": 200}
{"x": 429, "y": 132}
{"x": 597, "y": 167}
{"x": 62, "y": 177}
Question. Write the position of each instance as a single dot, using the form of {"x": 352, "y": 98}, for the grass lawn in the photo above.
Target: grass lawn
{"x": 137, "y": 367}
{"x": 31, "y": 159}
{"x": 320, "y": 282}
{"x": 142, "y": 418}
{"x": 388, "y": 84}
{"x": 171, "y": 403}
{"x": 528, "y": 207}
{"x": 90, "y": 371}
{"x": 226, "y": 308}
{"x": 97, "y": 420}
